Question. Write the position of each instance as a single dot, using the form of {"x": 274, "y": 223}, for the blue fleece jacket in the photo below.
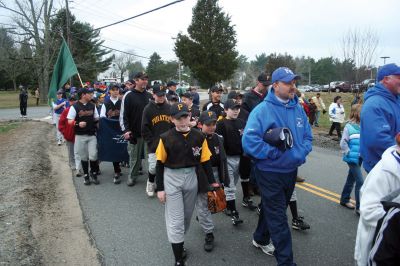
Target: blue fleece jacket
{"x": 380, "y": 121}
{"x": 271, "y": 113}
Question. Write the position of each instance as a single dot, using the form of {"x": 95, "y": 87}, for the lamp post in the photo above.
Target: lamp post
{"x": 384, "y": 59}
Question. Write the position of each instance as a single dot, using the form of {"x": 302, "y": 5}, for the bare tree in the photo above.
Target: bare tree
{"x": 123, "y": 61}
{"x": 33, "y": 20}
{"x": 360, "y": 46}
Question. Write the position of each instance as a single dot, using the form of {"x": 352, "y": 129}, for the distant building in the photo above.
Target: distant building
{"x": 113, "y": 75}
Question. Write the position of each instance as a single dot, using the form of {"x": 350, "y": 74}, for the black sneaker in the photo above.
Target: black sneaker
{"x": 86, "y": 180}
{"x": 248, "y": 203}
{"x": 117, "y": 180}
{"x": 235, "y": 218}
{"x": 94, "y": 178}
{"x": 209, "y": 242}
{"x": 299, "y": 224}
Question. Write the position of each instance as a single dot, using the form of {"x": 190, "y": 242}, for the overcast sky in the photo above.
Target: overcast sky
{"x": 299, "y": 27}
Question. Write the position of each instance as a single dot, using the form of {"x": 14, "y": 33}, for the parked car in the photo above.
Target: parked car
{"x": 366, "y": 84}
{"x": 316, "y": 87}
{"x": 340, "y": 86}
{"x": 304, "y": 88}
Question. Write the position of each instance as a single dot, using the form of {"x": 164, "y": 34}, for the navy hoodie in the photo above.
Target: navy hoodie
{"x": 269, "y": 114}
{"x": 380, "y": 122}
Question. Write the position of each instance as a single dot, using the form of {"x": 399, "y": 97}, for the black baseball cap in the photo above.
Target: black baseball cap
{"x": 231, "y": 104}
{"x": 187, "y": 95}
{"x": 171, "y": 83}
{"x": 207, "y": 117}
{"x": 159, "y": 90}
{"x": 115, "y": 86}
{"x": 179, "y": 109}
{"x": 216, "y": 88}
{"x": 264, "y": 79}
{"x": 234, "y": 95}
{"x": 141, "y": 75}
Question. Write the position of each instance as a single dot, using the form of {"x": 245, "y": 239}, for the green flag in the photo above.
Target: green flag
{"x": 63, "y": 70}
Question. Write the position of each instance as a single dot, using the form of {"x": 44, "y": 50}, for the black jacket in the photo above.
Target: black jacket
{"x": 134, "y": 105}
{"x": 232, "y": 131}
{"x": 251, "y": 99}
{"x": 218, "y": 159}
{"x": 156, "y": 120}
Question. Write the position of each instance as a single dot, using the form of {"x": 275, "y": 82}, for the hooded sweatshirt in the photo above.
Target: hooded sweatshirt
{"x": 269, "y": 114}
{"x": 383, "y": 179}
{"x": 380, "y": 122}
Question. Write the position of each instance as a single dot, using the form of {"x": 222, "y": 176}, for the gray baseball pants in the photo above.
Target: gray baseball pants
{"x": 233, "y": 171}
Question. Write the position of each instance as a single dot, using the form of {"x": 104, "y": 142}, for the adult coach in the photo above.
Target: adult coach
{"x": 134, "y": 104}
{"x": 380, "y": 116}
{"x": 256, "y": 95}
{"x": 275, "y": 167}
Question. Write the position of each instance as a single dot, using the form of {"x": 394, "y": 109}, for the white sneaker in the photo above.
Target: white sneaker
{"x": 150, "y": 189}
{"x": 267, "y": 249}
{"x": 59, "y": 143}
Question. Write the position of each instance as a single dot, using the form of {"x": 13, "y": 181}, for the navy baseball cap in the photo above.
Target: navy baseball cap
{"x": 159, "y": 90}
{"x": 264, "y": 79}
{"x": 387, "y": 70}
{"x": 279, "y": 137}
{"x": 179, "y": 109}
{"x": 141, "y": 75}
{"x": 171, "y": 83}
{"x": 283, "y": 74}
{"x": 207, "y": 117}
{"x": 187, "y": 95}
{"x": 216, "y": 88}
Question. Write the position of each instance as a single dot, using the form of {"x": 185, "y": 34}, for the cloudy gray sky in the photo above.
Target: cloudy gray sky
{"x": 299, "y": 27}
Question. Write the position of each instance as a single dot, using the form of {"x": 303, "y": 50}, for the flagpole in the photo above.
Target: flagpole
{"x": 79, "y": 76}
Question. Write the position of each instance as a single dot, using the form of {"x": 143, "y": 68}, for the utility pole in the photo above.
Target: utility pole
{"x": 179, "y": 72}
{"x": 384, "y": 59}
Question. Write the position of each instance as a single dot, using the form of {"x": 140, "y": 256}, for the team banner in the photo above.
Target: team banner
{"x": 112, "y": 147}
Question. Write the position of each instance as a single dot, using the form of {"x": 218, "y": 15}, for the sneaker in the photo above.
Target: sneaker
{"x": 78, "y": 173}
{"x": 267, "y": 249}
{"x": 117, "y": 180}
{"x": 94, "y": 179}
{"x": 150, "y": 188}
{"x": 299, "y": 224}
{"x": 59, "y": 143}
{"x": 184, "y": 253}
{"x": 209, "y": 242}
{"x": 248, "y": 203}
{"x": 348, "y": 205}
{"x": 179, "y": 263}
{"x": 86, "y": 180}
{"x": 300, "y": 179}
{"x": 235, "y": 218}
{"x": 130, "y": 182}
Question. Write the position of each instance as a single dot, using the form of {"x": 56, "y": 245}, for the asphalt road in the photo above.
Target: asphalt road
{"x": 32, "y": 113}
{"x": 129, "y": 228}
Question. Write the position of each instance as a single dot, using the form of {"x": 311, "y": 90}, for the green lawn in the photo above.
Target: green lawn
{"x": 7, "y": 126}
{"x": 10, "y": 99}
{"x": 347, "y": 98}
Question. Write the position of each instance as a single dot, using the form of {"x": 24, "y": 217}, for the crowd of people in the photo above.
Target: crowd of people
{"x": 259, "y": 138}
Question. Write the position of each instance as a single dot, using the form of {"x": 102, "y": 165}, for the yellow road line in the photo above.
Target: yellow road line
{"x": 325, "y": 191}
{"x": 318, "y": 193}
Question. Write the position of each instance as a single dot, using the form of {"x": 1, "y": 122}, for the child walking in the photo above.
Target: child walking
{"x": 350, "y": 146}
{"x": 179, "y": 152}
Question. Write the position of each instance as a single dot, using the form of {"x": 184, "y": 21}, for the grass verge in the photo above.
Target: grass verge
{"x": 7, "y": 126}
{"x": 10, "y": 99}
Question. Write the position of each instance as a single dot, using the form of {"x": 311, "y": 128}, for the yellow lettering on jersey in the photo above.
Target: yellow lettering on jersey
{"x": 160, "y": 118}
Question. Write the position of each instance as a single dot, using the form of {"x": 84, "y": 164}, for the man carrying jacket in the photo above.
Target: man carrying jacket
{"x": 276, "y": 168}
{"x": 380, "y": 116}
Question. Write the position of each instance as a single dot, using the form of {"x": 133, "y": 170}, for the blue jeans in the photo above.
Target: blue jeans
{"x": 354, "y": 176}
{"x": 276, "y": 190}
{"x": 317, "y": 115}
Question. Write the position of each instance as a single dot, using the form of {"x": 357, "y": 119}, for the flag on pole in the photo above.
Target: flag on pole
{"x": 63, "y": 69}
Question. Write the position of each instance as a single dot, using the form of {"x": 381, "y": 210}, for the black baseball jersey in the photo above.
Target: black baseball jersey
{"x": 231, "y": 130}
{"x": 85, "y": 113}
{"x": 217, "y": 108}
{"x": 112, "y": 109}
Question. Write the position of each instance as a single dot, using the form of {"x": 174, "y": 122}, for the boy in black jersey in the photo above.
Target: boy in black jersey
{"x": 83, "y": 114}
{"x": 187, "y": 98}
{"x": 207, "y": 125}
{"x": 155, "y": 121}
{"x": 180, "y": 151}
{"x": 111, "y": 109}
{"x": 231, "y": 129}
{"x": 215, "y": 104}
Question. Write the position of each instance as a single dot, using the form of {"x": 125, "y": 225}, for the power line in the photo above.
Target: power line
{"x": 144, "y": 13}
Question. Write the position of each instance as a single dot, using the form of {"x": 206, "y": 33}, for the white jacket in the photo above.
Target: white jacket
{"x": 336, "y": 113}
{"x": 383, "y": 179}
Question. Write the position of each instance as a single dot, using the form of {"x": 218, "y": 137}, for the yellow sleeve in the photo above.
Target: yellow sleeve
{"x": 205, "y": 152}
{"x": 161, "y": 154}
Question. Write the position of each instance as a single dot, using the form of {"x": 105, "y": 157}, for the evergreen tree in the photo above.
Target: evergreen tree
{"x": 85, "y": 45}
{"x": 209, "y": 49}
{"x": 155, "y": 67}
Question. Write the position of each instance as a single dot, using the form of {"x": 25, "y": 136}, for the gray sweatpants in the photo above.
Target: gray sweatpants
{"x": 203, "y": 213}
{"x": 152, "y": 161}
{"x": 233, "y": 171}
{"x": 86, "y": 147}
{"x": 180, "y": 186}
{"x": 135, "y": 157}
